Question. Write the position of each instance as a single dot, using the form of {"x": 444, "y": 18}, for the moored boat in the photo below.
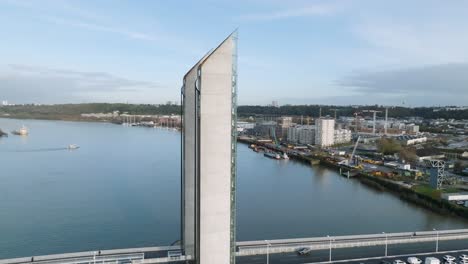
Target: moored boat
{"x": 23, "y": 131}
{"x": 272, "y": 155}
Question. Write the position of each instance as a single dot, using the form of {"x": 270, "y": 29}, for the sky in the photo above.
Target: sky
{"x": 346, "y": 52}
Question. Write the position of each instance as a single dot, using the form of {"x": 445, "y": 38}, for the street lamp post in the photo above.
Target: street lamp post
{"x": 437, "y": 240}
{"x": 330, "y": 253}
{"x": 268, "y": 252}
{"x": 94, "y": 257}
{"x": 386, "y": 243}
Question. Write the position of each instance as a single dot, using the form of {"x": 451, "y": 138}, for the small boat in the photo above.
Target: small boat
{"x": 23, "y": 131}
{"x": 272, "y": 155}
{"x": 285, "y": 156}
{"x": 73, "y": 146}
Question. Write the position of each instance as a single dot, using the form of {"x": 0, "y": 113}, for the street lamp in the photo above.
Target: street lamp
{"x": 268, "y": 252}
{"x": 437, "y": 240}
{"x": 386, "y": 243}
{"x": 330, "y": 254}
{"x": 94, "y": 257}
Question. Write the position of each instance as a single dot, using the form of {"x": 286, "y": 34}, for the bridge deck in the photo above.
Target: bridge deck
{"x": 244, "y": 248}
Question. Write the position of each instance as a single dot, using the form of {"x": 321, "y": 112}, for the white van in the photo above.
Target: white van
{"x": 414, "y": 260}
{"x": 431, "y": 260}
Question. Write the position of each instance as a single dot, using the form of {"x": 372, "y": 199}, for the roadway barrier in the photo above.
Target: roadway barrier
{"x": 166, "y": 254}
{"x": 248, "y": 248}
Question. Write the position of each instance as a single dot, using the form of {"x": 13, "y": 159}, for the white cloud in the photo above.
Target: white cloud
{"x": 415, "y": 41}
{"x": 101, "y": 28}
{"x": 25, "y": 83}
{"x": 444, "y": 84}
{"x": 305, "y": 11}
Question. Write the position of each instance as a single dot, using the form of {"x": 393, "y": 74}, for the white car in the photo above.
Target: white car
{"x": 414, "y": 260}
{"x": 463, "y": 257}
{"x": 449, "y": 258}
{"x": 431, "y": 260}
{"x": 304, "y": 251}
{"x": 397, "y": 261}
{"x": 462, "y": 261}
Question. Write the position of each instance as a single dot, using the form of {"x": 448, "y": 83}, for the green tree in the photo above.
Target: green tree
{"x": 388, "y": 146}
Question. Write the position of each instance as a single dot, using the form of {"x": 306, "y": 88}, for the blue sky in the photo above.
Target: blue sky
{"x": 295, "y": 52}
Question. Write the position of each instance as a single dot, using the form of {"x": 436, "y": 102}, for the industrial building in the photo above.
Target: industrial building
{"x": 209, "y": 156}
{"x": 411, "y": 140}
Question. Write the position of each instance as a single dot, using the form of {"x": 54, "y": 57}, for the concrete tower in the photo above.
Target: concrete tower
{"x": 209, "y": 156}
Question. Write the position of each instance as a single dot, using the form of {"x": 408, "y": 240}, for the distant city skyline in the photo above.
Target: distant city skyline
{"x": 296, "y": 52}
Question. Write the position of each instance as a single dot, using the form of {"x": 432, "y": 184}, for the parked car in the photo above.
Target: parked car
{"x": 304, "y": 251}
{"x": 397, "y": 261}
{"x": 449, "y": 258}
{"x": 463, "y": 257}
{"x": 431, "y": 260}
{"x": 414, "y": 260}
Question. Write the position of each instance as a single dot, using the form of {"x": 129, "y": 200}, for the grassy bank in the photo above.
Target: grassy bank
{"x": 421, "y": 195}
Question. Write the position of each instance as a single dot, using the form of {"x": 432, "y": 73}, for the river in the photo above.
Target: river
{"x": 122, "y": 189}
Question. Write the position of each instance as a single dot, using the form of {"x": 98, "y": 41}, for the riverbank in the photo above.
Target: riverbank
{"x": 429, "y": 200}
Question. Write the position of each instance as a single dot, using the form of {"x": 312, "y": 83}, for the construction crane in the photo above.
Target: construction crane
{"x": 356, "y": 121}
{"x": 334, "y": 109}
{"x": 354, "y": 151}
{"x": 273, "y": 136}
{"x": 374, "y": 112}
{"x": 438, "y": 174}
{"x": 386, "y": 121}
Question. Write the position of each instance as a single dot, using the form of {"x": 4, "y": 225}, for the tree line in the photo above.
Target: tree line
{"x": 243, "y": 110}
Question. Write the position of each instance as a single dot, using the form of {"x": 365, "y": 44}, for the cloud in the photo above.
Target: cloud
{"x": 67, "y": 14}
{"x": 305, "y": 11}
{"x": 100, "y": 28}
{"x": 444, "y": 84}
{"x": 25, "y": 83}
{"x": 421, "y": 42}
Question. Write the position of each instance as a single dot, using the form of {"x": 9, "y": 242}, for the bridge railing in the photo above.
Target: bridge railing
{"x": 162, "y": 254}
{"x": 246, "y": 248}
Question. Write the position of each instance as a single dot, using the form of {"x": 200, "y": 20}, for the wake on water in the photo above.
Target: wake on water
{"x": 35, "y": 150}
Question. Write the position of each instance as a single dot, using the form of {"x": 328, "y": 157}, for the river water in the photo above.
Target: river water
{"x": 122, "y": 189}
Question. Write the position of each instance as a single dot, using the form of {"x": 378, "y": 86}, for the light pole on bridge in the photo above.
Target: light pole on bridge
{"x": 330, "y": 252}
{"x": 386, "y": 243}
{"x": 268, "y": 252}
{"x": 437, "y": 240}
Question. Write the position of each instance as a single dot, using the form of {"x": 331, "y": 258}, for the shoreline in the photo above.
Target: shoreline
{"x": 439, "y": 206}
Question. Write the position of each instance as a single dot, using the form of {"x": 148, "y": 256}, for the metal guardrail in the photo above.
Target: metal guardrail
{"x": 63, "y": 258}
{"x": 290, "y": 245}
{"x": 95, "y": 259}
{"x": 244, "y": 248}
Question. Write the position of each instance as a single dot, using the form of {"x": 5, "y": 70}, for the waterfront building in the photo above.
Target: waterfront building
{"x": 264, "y": 128}
{"x": 209, "y": 156}
{"x": 243, "y": 126}
{"x": 284, "y": 123}
{"x": 324, "y": 132}
{"x": 342, "y": 136}
{"x": 301, "y": 134}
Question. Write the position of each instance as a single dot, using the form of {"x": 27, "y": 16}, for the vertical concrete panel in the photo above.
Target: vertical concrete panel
{"x": 189, "y": 167}
{"x": 215, "y": 155}
{"x": 208, "y": 167}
